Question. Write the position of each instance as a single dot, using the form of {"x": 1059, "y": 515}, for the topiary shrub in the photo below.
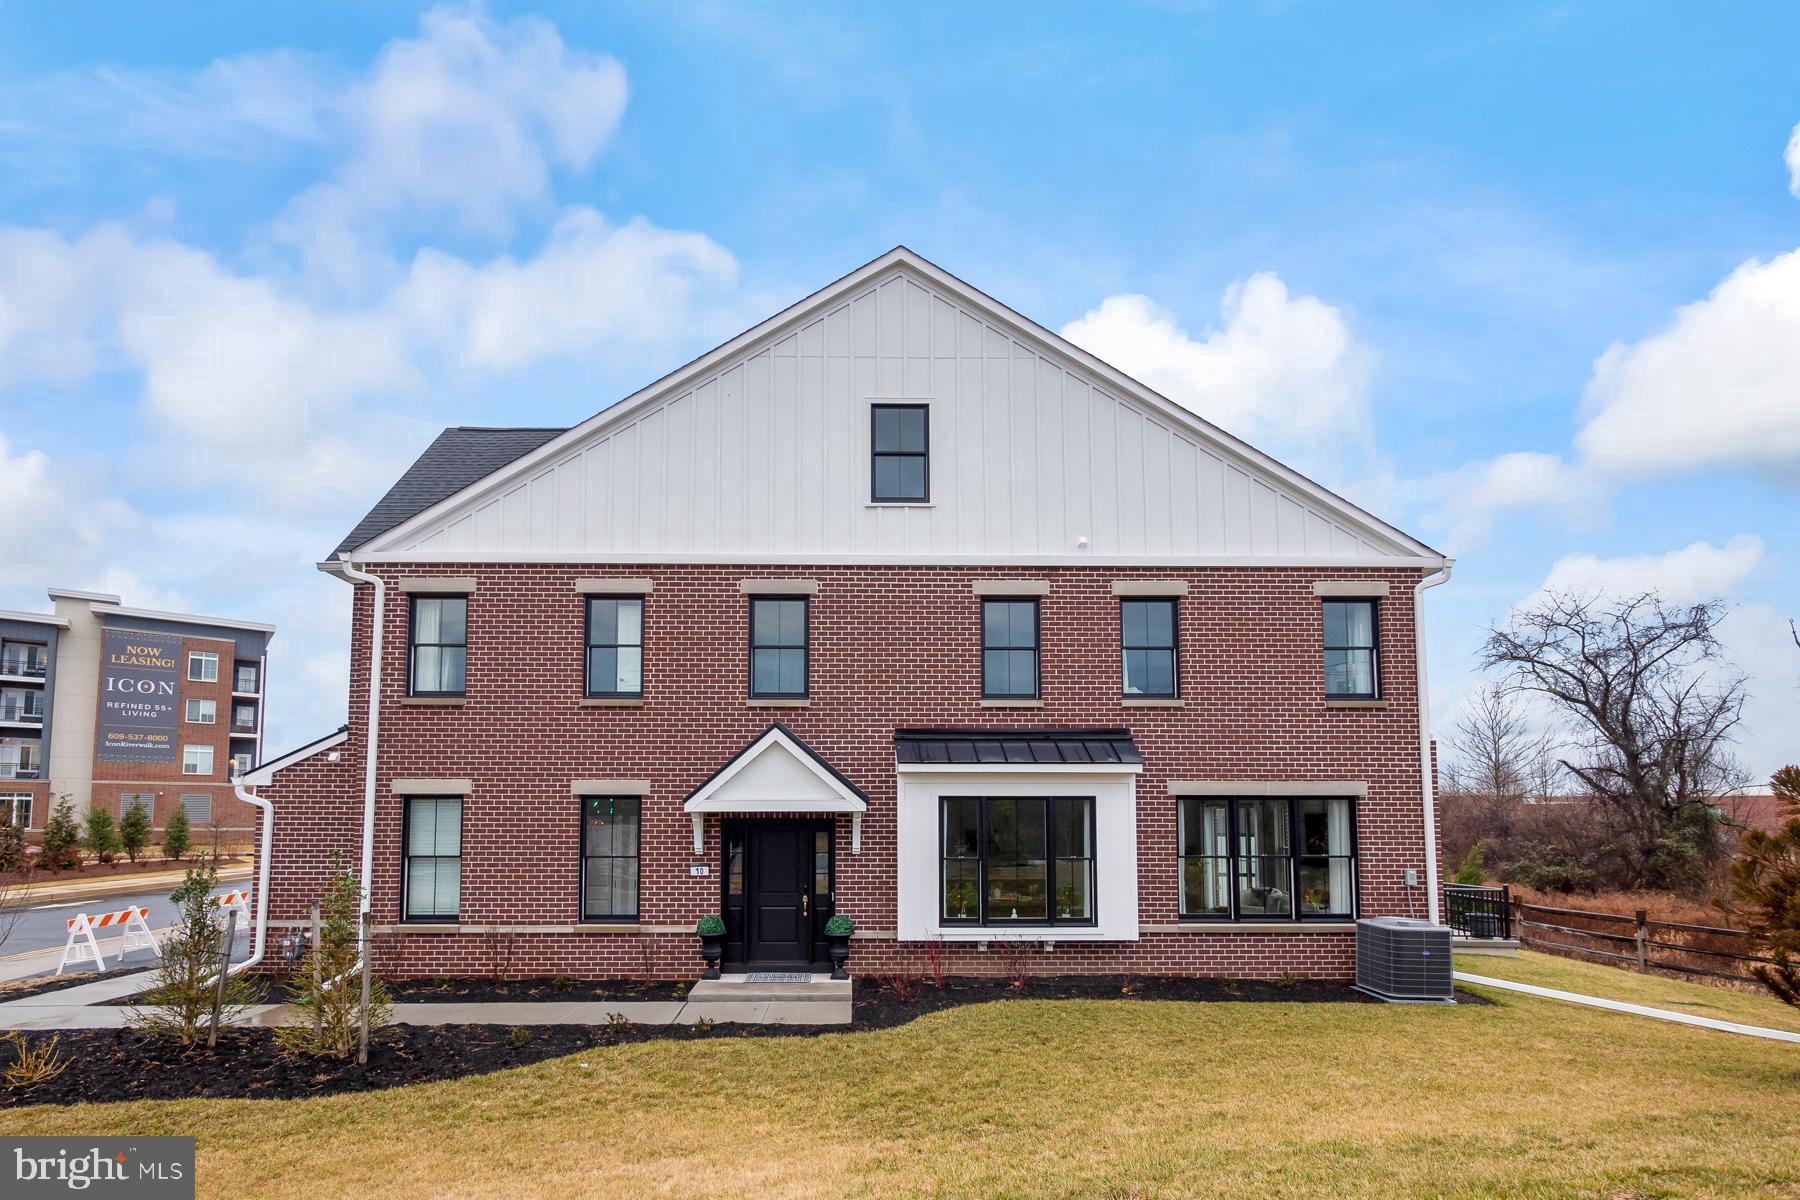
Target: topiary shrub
{"x": 840, "y": 926}
{"x": 711, "y": 925}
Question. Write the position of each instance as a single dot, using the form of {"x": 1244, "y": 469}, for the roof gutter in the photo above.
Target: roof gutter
{"x": 373, "y": 733}
{"x": 1427, "y": 784}
{"x": 265, "y": 843}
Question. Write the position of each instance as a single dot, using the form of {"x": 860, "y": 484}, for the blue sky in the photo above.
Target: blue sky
{"x": 1515, "y": 279}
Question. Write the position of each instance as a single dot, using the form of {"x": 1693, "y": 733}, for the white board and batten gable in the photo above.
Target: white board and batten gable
{"x": 777, "y": 774}
{"x": 760, "y": 450}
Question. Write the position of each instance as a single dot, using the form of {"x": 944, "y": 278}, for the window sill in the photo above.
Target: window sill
{"x": 1356, "y": 703}
{"x": 899, "y": 504}
{"x": 608, "y": 927}
{"x": 1012, "y": 704}
{"x": 1152, "y": 702}
{"x": 767, "y": 702}
{"x": 435, "y": 701}
{"x": 426, "y": 927}
{"x": 1344, "y": 925}
{"x": 611, "y": 702}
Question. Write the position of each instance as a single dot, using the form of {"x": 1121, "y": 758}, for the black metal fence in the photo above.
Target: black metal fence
{"x": 1478, "y": 912}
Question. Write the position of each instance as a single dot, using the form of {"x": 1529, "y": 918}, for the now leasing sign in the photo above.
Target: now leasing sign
{"x": 140, "y": 682}
{"x": 141, "y": 1168}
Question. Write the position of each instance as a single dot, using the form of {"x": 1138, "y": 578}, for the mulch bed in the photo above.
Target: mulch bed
{"x": 93, "y": 872}
{"x": 444, "y": 991}
{"x": 124, "y": 1064}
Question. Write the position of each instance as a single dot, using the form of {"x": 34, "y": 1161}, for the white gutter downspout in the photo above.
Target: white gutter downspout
{"x": 374, "y": 728}
{"x": 1426, "y": 782}
{"x": 262, "y": 881}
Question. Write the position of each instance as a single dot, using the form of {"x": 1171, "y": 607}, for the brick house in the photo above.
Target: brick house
{"x": 898, "y": 606}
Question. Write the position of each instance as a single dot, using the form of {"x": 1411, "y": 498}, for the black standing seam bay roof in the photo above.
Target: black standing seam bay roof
{"x": 1026, "y": 747}
{"x": 461, "y": 456}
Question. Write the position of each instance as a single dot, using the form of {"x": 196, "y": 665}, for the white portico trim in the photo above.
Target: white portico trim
{"x": 777, "y": 774}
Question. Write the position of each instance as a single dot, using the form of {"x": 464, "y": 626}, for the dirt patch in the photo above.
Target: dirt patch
{"x": 125, "y": 1064}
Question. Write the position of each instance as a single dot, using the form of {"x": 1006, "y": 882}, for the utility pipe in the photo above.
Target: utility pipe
{"x": 1426, "y": 782}
{"x": 372, "y": 736}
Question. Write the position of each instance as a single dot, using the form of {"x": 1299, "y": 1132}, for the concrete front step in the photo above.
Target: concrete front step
{"x": 737, "y": 989}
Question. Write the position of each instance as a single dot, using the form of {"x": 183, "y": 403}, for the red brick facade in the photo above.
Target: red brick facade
{"x": 890, "y": 647}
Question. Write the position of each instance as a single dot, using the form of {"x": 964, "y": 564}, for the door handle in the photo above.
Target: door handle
{"x": 805, "y": 904}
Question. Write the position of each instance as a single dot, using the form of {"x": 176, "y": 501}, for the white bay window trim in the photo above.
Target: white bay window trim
{"x": 922, "y": 788}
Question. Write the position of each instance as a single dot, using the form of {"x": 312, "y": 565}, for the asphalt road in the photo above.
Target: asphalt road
{"x": 45, "y": 926}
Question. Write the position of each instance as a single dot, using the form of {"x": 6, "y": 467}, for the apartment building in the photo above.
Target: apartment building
{"x": 102, "y": 703}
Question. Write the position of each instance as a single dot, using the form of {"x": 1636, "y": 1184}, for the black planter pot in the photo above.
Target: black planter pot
{"x": 712, "y": 949}
{"x": 840, "y": 954}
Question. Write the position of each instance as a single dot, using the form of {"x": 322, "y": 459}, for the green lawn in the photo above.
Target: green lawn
{"x": 1522, "y": 1098}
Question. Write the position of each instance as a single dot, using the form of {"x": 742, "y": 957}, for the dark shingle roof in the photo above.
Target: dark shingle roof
{"x": 1022, "y": 746}
{"x": 462, "y": 455}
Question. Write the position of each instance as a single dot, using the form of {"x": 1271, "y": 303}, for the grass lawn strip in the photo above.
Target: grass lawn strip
{"x": 1656, "y": 991}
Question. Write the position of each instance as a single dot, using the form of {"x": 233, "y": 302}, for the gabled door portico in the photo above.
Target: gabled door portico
{"x": 778, "y": 801}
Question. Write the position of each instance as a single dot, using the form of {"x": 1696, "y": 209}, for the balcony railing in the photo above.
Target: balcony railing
{"x": 18, "y": 664}
{"x": 245, "y": 727}
{"x": 14, "y": 710}
{"x": 12, "y": 770}
{"x": 245, "y": 682}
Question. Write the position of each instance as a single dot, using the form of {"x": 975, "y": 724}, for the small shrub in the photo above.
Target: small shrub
{"x": 1228, "y": 985}
{"x": 839, "y": 926}
{"x": 30, "y": 1066}
{"x": 1473, "y": 871}
{"x": 102, "y": 837}
{"x": 178, "y": 838}
{"x": 703, "y": 1024}
{"x": 519, "y": 1036}
{"x": 1013, "y": 959}
{"x": 617, "y": 1024}
{"x": 62, "y": 838}
{"x": 904, "y": 989}
{"x": 179, "y": 1002}
{"x": 562, "y": 983}
{"x": 934, "y": 961}
{"x": 711, "y": 925}
{"x": 1287, "y": 981}
{"x": 328, "y": 1015}
{"x": 134, "y": 830}
{"x": 13, "y": 856}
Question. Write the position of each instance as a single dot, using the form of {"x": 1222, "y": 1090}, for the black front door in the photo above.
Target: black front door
{"x": 783, "y": 897}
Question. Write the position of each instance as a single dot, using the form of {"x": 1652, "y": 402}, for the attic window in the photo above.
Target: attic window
{"x": 901, "y": 459}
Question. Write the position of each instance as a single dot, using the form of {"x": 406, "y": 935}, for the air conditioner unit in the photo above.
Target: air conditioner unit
{"x": 1404, "y": 961}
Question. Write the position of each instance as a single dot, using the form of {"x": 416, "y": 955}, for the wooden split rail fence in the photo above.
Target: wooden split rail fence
{"x": 1636, "y": 940}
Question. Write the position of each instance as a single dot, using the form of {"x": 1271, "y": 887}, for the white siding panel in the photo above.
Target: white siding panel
{"x": 769, "y": 454}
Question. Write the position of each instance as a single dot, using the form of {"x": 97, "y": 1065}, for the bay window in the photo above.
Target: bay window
{"x": 1267, "y": 859}
{"x": 1017, "y": 860}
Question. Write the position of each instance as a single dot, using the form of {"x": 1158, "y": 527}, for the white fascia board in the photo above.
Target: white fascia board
{"x": 774, "y": 804}
{"x": 264, "y": 775}
{"x": 778, "y": 325}
{"x": 1019, "y": 770}
{"x": 1166, "y": 562}
{"x": 7, "y": 614}
{"x": 709, "y": 798}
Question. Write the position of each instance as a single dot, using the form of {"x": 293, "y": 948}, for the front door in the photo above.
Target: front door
{"x": 785, "y": 893}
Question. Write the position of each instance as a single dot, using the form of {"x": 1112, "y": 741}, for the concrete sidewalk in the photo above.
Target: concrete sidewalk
{"x": 84, "y": 1007}
{"x": 1636, "y": 1010}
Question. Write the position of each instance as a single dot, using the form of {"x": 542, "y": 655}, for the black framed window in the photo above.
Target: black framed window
{"x": 438, "y": 645}
{"x": 431, "y": 875}
{"x": 1017, "y": 860}
{"x": 615, "y": 646}
{"x": 900, "y": 466}
{"x": 1351, "y": 669}
{"x": 778, "y": 639}
{"x": 1147, "y": 636}
{"x": 1267, "y": 858}
{"x": 1009, "y": 649}
{"x": 610, "y": 827}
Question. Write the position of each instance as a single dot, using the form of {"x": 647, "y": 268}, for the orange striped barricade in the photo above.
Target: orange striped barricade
{"x": 240, "y": 900}
{"x": 134, "y": 935}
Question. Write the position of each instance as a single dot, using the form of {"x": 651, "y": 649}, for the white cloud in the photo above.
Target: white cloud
{"x": 1719, "y": 388}
{"x": 1280, "y": 367}
{"x": 1697, "y": 572}
{"x": 55, "y": 525}
{"x": 1466, "y": 501}
{"x": 462, "y": 127}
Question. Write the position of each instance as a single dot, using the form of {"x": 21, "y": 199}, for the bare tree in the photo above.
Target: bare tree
{"x": 1650, "y": 705}
{"x": 1497, "y": 760}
